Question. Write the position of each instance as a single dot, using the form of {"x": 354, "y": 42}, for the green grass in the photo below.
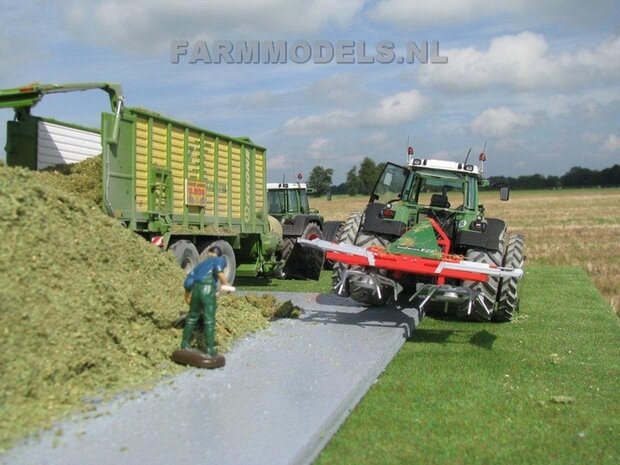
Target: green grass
{"x": 541, "y": 390}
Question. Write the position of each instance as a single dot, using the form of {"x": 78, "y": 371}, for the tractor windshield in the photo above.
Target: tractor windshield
{"x": 434, "y": 188}
{"x": 391, "y": 183}
{"x": 277, "y": 201}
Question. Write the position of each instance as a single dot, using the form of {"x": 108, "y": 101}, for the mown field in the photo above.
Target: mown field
{"x": 577, "y": 227}
{"x": 543, "y": 389}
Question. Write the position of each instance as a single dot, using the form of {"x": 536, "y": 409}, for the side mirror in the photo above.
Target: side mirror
{"x": 504, "y": 193}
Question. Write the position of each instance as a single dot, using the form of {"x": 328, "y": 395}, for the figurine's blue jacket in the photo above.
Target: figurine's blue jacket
{"x": 211, "y": 266}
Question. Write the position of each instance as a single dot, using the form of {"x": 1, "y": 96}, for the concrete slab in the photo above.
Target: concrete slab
{"x": 281, "y": 396}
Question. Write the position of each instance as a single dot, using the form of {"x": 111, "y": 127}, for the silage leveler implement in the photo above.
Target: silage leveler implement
{"x": 410, "y": 242}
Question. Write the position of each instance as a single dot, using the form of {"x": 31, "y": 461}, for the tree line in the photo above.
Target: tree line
{"x": 361, "y": 179}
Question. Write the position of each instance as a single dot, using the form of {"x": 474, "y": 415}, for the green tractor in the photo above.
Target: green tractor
{"x": 424, "y": 235}
{"x": 288, "y": 203}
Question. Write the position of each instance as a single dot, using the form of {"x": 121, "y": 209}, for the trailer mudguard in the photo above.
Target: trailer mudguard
{"x": 489, "y": 239}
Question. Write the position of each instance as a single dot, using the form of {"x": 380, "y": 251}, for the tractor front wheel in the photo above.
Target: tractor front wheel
{"x": 285, "y": 247}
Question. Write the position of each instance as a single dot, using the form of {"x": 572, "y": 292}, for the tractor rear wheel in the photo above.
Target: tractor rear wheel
{"x": 508, "y": 299}
{"x": 331, "y": 230}
{"x": 487, "y": 291}
{"x": 357, "y": 284}
{"x": 346, "y": 235}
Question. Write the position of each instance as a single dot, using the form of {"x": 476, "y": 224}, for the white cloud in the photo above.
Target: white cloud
{"x": 612, "y": 143}
{"x": 523, "y": 62}
{"x": 319, "y": 143}
{"x": 147, "y": 25}
{"x": 277, "y": 161}
{"x": 422, "y": 13}
{"x": 399, "y": 108}
{"x": 498, "y": 122}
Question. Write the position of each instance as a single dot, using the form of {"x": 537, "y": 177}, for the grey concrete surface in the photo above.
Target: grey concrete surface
{"x": 281, "y": 396}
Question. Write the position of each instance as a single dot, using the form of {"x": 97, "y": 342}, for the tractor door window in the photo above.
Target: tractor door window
{"x": 277, "y": 201}
{"x": 293, "y": 203}
{"x": 305, "y": 206}
{"x": 390, "y": 185}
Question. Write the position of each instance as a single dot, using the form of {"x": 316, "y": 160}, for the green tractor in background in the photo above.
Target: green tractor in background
{"x": 288, "y": 203}
{"x": 424, "y": 235}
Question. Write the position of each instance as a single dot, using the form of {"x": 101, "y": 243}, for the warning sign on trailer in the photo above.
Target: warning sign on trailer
{"x": 195, "y": 193}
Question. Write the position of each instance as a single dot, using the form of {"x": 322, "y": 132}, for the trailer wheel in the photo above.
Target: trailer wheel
{"x": 508, "y": 299}
{"x": 331, "y": 230}
{"x": 357, "y": 284}
{"x": 229, "y": 254}
{"x": 346, "y": 235}
{"x": 488, "y": 291}
{"x": 186, "y": 254}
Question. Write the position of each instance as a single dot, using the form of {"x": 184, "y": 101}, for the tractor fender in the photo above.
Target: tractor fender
{"x": 297, "y": 228}
{"x": 373, "y": 223}
{"x": 489, "y": 239}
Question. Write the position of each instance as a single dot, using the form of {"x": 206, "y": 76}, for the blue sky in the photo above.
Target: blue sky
{"x": 538, "y": 81}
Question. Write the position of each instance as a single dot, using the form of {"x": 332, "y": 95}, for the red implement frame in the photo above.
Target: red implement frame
{"x": 412, "y": 264}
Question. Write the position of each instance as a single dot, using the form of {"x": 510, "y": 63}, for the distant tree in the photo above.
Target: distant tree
{"x": 367, "y": 175}
{"x": 610, "y": 176}
{"x": 340, "y": 189}
{"x": 580, "y": 177}
{"x": 320, "y": 179}
{"x": 352, "y": 182}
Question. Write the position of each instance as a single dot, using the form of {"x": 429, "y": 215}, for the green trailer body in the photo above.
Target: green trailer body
{"x": 174, "y": 183}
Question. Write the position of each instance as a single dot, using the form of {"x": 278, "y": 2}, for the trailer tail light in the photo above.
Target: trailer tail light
{"x": 158, "y": 241}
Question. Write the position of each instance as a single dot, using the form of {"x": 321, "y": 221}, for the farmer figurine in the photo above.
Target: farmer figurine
{"x": 201, "y": 286}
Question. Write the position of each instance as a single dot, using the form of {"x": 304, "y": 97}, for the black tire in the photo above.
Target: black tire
{"x": 228, "y": 253}
{"x": 185, "y": 253}
{"x": 285, "y": 247}
{"x": 489, "y": 290}
{"x": 313, "y": 259}
{"x": 361, "y": 294}
{"x": 347, "y": 235}
{"x": 331, "y": 230}
{"x": 508, "y": 298}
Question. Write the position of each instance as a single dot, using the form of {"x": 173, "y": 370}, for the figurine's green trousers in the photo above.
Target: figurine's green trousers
{"x": 202, "y": 304}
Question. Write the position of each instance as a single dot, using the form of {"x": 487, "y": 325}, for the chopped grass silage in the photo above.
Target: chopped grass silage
{"x": 87, "y": 306}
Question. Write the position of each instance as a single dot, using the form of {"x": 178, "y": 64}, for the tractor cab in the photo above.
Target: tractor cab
{"x": 445, "y": 191}
{"x": 287, "y": 200}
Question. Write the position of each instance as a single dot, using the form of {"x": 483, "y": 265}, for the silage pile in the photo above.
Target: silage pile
{"x": 87, "y": 307}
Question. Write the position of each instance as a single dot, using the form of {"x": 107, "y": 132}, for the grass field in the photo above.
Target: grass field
{"x": 561, "y": 227}
{"x": 541, "y": 390}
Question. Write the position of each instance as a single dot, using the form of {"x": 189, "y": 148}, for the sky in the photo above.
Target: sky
{"x": 539, "y": 82}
